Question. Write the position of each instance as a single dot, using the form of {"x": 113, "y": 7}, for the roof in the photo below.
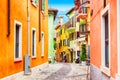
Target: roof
{"x": 57, "y": 26}
{"x": 54, "y": 11}
{"x": 62, "y": 25}
{"x": 70, "y": 11}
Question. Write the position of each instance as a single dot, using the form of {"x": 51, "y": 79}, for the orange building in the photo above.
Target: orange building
{"x": 105, "y": 55}
{"x": 23, "y": 31}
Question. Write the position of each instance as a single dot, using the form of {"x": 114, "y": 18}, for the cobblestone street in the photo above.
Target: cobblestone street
{"x": 57, "y": 71}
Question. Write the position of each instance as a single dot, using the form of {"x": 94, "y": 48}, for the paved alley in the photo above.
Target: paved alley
{"x": 57, "y": 71}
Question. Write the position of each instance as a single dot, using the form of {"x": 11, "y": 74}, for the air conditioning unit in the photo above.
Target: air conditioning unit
{"x": 27, "y": 69}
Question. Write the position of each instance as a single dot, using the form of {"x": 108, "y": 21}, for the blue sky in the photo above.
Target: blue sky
{"x": 63, "y": 7}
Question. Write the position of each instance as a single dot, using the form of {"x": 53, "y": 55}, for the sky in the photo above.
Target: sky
{"x": 63, "y": 7}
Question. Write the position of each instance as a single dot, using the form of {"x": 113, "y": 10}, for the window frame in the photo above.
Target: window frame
{"x": 118, "y": 37}
{"x": 43, "y": 11}
{"x": 105, "y": 69}
{"x": 20, "y": 41}
{"x": 34, "y": 56}
{"x": 34, "y": 3}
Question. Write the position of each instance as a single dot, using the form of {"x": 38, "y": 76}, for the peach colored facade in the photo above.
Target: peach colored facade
{"x": 18, "y": 12}
{"x": 98, "y": 69}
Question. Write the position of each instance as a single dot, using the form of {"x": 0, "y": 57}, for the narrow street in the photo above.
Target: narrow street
{"x": 57, "y": 71}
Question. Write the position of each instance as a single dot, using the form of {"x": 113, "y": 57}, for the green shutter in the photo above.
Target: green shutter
{"x": 43, "y": 5}
{"x": 36, "y": 2}
{"x": 61, "y": 31}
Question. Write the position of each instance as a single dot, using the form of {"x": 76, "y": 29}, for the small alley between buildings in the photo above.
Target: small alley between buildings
{"x": 60, "y": 40}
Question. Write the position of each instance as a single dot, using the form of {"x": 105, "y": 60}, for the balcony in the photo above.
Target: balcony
{"x": 84, "y": 29}
{"x": 85, "y": 3}
{"x": 80, "y": 39}
{"x": 82, "y": 13}
{"x": 72, "y": 24}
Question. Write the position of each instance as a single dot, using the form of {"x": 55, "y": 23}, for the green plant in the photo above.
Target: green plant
{"x": 83, "y": 55}
{"x": 83, "y": 22}
{"x": 55, "y": 45}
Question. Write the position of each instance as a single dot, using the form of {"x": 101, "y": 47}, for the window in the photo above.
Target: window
{"x": 72, "y": 36}
{"x": 33, "y": 43}
{"x": 42, "y": 44}
{"x": 68, "y": 42}
{"x": 106, "y": 41}
{"x": 78, "y": 34}
{"x": 104, "y": 3}
{"x": 105, "y": 38}
{"x": 43, "y": 6}
{"x": 64, "y": 42}
{"x": 18, "y": 41}
{"x": 84, "y": 10}
{"x": 60, "y": 43}
{"x": 61, "y": 31}
{"x": 35, "y": 2}
{"x": 73, "y": 21}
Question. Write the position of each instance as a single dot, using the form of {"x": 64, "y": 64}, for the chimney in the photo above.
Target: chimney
{"x": 61, "y": 19}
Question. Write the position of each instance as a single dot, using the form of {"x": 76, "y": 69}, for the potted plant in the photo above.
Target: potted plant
{"x": 83, "y": 55}
{"x": 83, "y": 22}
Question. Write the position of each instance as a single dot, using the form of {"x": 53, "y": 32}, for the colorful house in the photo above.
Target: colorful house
{"x": 72, "y": 33}
{"x": 24, "y": 36}
{"x": 57, "y": 37}
{"x": 52, "y": 15}
{"x": 105, "y": 32}
{"x": 62, "y": 41}
{"x": 82, "y": 10}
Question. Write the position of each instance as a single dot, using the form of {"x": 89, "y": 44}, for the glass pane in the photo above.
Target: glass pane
{"x": 106, "y": 41}
{"x": 17, "y": 42}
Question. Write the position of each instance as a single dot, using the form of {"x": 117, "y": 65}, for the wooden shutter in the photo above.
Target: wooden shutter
{"x": 43, "y": 5}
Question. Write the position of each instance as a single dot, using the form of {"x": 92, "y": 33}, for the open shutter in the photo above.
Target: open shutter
{"x": 43, "y": 5}
{"x": 36, "y": 2}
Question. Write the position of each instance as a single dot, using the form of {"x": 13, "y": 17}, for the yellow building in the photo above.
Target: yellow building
{"x": 62, "y": 41}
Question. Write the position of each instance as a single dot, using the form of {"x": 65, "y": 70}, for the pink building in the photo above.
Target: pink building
{"x": 105, "y": 39}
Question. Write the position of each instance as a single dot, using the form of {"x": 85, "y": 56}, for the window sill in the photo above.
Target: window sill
{"x": 34, "y": 4}
{"x": 33, "y": 57}
{"x": 43, "y": 12}
{"x": 18, "y": 60}
{"x": 105, "y": 70}
{"x": 42, "y": 56}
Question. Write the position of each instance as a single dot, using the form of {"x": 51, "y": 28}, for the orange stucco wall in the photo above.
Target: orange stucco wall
{"x": 95, "y": 35}
{"x": 19, "y": 12}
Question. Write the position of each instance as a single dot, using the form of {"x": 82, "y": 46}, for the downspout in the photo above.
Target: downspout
{"x": 27, "y": 69}
{"x": 39, "y": 20}
{"x": 8, "y": 31}
{"x": 28, "y": 25}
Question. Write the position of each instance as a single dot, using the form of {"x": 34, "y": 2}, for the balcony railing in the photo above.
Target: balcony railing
{"x": 72, "y": 22}
{"x": 82, "y": 12}
{"x": 85, "y": 3}
{"x": 84, "y": 29}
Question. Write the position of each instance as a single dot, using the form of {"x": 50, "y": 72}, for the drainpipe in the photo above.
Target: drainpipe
{"x": 39, "y": 20}
{"x": 8, "y": 33}
{"x": 28, "y": 25}
{"x": 27, "y": 69}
